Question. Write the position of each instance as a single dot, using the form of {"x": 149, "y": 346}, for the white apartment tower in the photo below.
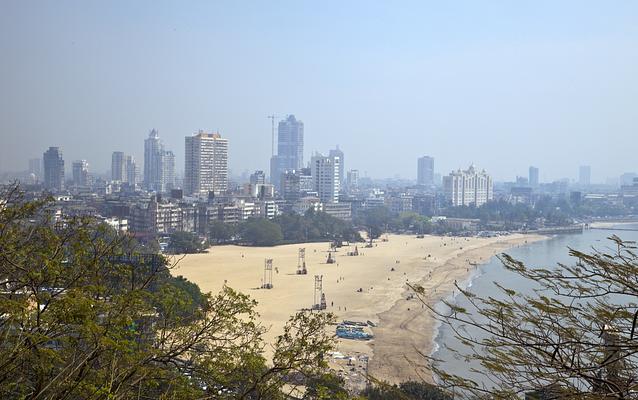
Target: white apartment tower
{"x": 206, "y": 167}
{"x": 159, "y": 164}
{"x": 325, "y": 177}
{"x": 80, "y": 173}
{"x": 464, "y": 188}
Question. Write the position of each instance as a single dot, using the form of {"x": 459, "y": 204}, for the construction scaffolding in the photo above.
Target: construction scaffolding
{"x": 319, "y": 300}
{"x": 301, "y": 262}
{"x": 267, "y": 282}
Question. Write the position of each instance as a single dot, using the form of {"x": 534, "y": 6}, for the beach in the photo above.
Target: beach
{"x": 369, "y": 287}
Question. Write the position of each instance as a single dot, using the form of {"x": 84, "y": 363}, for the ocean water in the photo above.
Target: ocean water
{"x": 545, "y": 253}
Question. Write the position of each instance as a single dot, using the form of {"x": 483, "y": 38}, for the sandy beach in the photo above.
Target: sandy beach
{"x": 371, "y": 286}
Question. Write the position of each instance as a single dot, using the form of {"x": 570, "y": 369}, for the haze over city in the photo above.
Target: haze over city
{"x": 503, "y": 85}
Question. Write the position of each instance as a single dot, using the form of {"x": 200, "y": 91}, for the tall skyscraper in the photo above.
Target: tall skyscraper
{"x": 338, "y": 153}
{"x": 167, "y": 178}
{"x": 118, "y": 167}
{"x": 464, "y": 188}
{"x": 533, "y": 177}
{"x": 206, "y": 166}
{"x": 289, "y": 149}
{"x": 325, "y": 176}
{"x": 53, "y": 169}
{"x": 159, "y": 164}
{"x": 425, "y": 171}
{"x": 131, "y": 171}
{"x": 584, "y": 175}
{"x": 80, "y": 173}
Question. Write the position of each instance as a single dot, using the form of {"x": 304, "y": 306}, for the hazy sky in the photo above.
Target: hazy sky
{"x": 503, "y": 84}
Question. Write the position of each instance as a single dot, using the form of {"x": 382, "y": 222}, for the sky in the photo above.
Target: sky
{"x": 500, "y": 84}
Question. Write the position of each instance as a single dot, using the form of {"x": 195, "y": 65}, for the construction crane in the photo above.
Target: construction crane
{"x": 272, "y": 120}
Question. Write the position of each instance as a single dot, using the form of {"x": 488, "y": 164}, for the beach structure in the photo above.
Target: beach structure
{"x": 319, "y": 299}
{"x": 267, "y": 282}
{"x": 301, "y": 262}
{"x": 354, "y": 253}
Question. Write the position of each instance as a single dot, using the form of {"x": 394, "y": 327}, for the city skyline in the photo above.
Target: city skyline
{"x": 481, "y": 75}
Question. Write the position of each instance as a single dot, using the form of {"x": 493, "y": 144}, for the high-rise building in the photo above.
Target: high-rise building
{"x": 469, "y": 187}
{"x": 353, "y": 180}
{"x": 425, "y": 171}
{"x": 296, "y": 184}
{"x": 35, "y": 167}
{"x": 118, "y": 166}
{"x": 131, "y": 171}
{"x": 80, "y": 173}
{"x": 206, "y": 167}
{"x": 152, "y": 160}
{"x": 53, "y": 169}
{"x": 338, "y": 153}
{"x": 533, "y": 177}
{"x": 325, "y": 177}
{"x": 258, "y": 178}
{"x": 289, "y": 149}
{"x": 159, "y": 164}
{"x": 167, "y": 178}
{"x": 584, "y": 175}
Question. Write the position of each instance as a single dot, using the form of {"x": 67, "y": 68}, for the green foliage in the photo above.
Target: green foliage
{"x": 260, "y": 232}
{"x": 376, "y": 221}
{"x": 85, "y": 315}
{"x": 406, "y": 391}
{"x": 220, "y": 232}
{"x": 325, "y": 387}
{"x": 185, "y": 243}
{"x": 314, "y": 226}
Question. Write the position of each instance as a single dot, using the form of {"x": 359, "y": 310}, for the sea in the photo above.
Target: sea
{"x": 545, "y": 253}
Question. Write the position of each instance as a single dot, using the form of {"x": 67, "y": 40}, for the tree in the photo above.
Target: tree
{"x": 406, "y": 391}
{"x": 376, "y": 221}
{"x": 220, "y": 232}
{"x": 185, "y": 243}
{"x": 574, "y": 337}
{"x": 84, "y": 314}
{"x": 260, "y": 232}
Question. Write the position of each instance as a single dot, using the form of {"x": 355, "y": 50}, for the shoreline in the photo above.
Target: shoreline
{"x": 368, "y": 287}
{"x": 416, "y": 327}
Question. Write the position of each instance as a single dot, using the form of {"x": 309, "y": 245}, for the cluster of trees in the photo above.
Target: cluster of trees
{"x": 553, "y": 211}
{"x": 186, "y": 243}
{"x": 378, "y": 220}
{"x": 286, "y": 228}
{"x": 84, "y": 315}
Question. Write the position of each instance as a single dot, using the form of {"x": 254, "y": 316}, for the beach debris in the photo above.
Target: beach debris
{"x": 267, "y": 281}
{"x": 301, "y": 262}
{"x": 370, "y": 323}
